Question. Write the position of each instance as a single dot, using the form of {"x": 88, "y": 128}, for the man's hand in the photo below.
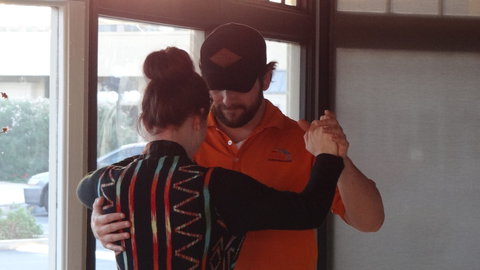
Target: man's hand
{"x": 305, "y": 125}
{"x": 361, "y": 198}
{"x": 332, "y": 127}
{"x": 105, "y": 227}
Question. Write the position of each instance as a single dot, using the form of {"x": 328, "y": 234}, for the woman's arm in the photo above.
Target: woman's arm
{"x": 87, "y": 189}
{"x": 245, "y": 204}
{"x": 106, "y": 227}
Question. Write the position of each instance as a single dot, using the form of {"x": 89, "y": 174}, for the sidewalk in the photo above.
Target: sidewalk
{"x": 33, "y": 253}
{"x": 37, "y": 245}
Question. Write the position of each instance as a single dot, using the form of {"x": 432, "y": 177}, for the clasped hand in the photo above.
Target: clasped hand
{"x": 325, "y": 136}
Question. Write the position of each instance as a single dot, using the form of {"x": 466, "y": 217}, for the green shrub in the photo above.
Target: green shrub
{"x": 19, "y": 224}
{"x": 24, "y": 149}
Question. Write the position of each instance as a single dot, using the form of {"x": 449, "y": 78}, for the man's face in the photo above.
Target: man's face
{"x": 235, "y": 109}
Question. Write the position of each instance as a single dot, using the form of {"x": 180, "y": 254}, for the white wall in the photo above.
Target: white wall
{"x": 413, "y": 121}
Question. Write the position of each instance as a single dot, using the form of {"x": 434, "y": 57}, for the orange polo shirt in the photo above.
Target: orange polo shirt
{"x": 275, "y": 155}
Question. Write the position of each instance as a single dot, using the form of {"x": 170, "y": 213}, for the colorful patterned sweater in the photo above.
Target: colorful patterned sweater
{"x": 185, "y": 216}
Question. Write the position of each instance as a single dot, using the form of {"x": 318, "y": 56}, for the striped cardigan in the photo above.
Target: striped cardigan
{"x": 185, "y": 216}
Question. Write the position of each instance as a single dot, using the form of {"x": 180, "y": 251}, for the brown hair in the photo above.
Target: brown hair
{"x": 175, "y": 90}
{"x": 268, "y": 67}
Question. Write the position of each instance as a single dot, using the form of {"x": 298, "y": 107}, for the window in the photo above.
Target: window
{"x": 119, "y": 78}
{"x": 122, "y": 48}
{"x": 25, "y": 74}
{"x": 423, "y": 7}
{"x": 284, "y": 91}
{"x": 43, "y": 65}
{"x": 285, "y": 2}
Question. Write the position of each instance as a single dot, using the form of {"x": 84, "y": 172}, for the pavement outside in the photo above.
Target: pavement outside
{"x": 18, "y": 254}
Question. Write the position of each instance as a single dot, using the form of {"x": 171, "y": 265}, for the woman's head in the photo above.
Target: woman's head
{"x": 175, "y": 91}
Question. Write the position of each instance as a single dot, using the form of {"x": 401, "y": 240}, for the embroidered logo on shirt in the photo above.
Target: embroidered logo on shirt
{"x": 282, "y": 155}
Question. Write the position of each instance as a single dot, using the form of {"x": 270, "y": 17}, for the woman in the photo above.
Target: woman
{"x": 185, "y": 216}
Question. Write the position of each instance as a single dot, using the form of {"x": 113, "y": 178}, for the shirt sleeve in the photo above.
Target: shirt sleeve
{"x": 87, "y": 189}
{"x": 102, "y": 182}
{"x": 245, "y": 204}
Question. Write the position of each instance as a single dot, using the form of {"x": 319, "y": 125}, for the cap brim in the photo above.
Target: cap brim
{"x": 230, "y": 80}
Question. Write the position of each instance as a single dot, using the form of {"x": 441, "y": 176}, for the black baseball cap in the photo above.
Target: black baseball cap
{"x": 232, "y": 57}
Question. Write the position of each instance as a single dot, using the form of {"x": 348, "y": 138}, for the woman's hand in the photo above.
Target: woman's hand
{"x": 330, "y": 126}
{"x": 317, "y": 141}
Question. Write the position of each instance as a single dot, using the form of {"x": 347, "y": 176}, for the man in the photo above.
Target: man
{"x": 248, "y": 134}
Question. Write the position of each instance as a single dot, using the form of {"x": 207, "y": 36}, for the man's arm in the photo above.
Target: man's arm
{"x": 361, "y": 198}
{"x": 106, "y": 227}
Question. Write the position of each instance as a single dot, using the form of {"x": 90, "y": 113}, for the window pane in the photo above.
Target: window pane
{"x": 284, "y": 91}
{"x": 286, "y": 2}
{"x": 462, "y": 7}
{"x": 291, "y": 2}
{"x": 122, "y": 48}
{"x": 25, "y": 34}
{"x": 413, "y": 122}
{"x": 416, "y": 6}
{"x": 362, "y": 5}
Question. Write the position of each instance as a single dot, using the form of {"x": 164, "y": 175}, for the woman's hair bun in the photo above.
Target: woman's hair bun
{"x": 175, "y": 91}
{"x": 168, "y": 64}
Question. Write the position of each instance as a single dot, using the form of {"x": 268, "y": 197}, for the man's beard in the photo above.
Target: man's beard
{"x": 243, "y": 118}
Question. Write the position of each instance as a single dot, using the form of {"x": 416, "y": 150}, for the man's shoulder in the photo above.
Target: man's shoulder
{"x": 290, "y": 127}
{"x": 282, "y": 122}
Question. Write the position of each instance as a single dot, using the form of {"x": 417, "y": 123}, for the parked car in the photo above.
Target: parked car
{"x": 37, "y": 191}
